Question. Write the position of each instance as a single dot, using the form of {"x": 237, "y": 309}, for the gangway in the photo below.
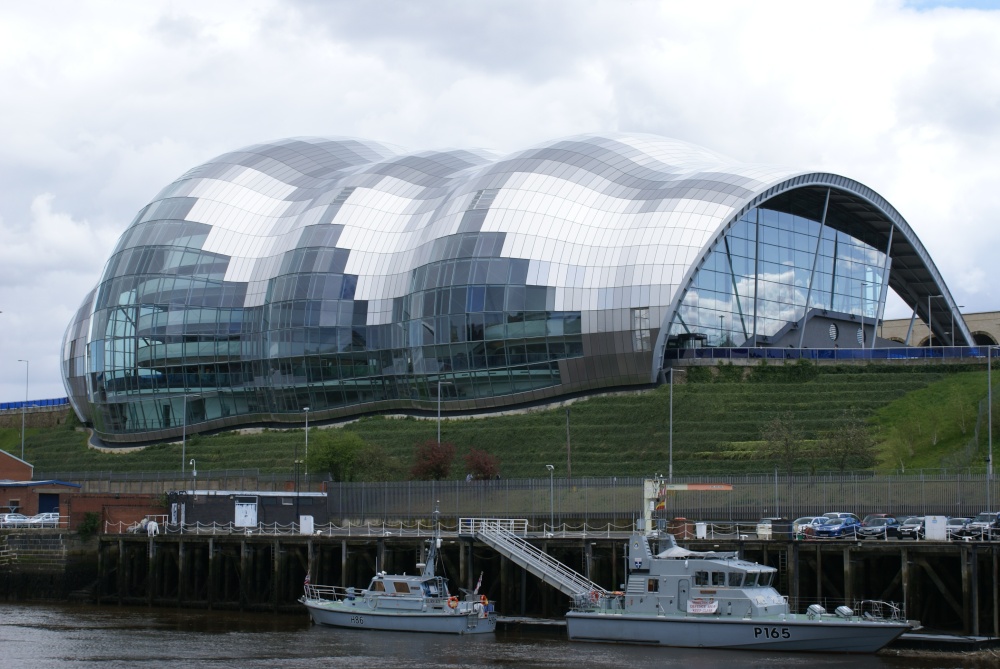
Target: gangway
{"x": 506, "y": 536}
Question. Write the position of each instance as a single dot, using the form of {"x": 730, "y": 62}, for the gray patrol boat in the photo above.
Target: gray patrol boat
{"x": 403, "y": 603}
{"x": 678, "y": 597}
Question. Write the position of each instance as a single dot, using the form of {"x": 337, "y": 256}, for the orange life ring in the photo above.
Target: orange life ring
{"x": 483, "y": 600}
{"x": 453, "y": 602}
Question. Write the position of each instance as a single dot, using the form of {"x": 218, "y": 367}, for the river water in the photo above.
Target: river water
{"x": 46, "y": 636}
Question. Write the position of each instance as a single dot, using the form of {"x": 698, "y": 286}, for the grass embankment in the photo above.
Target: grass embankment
{"x": 922, "y": 417}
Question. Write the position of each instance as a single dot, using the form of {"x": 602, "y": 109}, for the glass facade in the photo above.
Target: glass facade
{"x": 755, "y": 282}
{"x": 344, "y": 276}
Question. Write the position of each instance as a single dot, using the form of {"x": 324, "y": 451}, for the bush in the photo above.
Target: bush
{"x": 481, "y": 465}
{"x": 90, "y": 525}
{"x": 432, "y": 460}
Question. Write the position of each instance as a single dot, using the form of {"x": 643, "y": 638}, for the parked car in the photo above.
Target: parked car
{"x": 985, "y": 525}
{"x": 799, "y": 524}
{"x": 838, "y": 527}
{"x": 872, "y": 516}
{"x": 13, "y": 520}
{"x": 881, "y": 527}
{"x": 955, "y": 526}
{"x": 841, "y": 514}
{"x": 49, "y": 519}
{"x": 912, "y": 528}
{"x": 776, "y": 528}
{"x": 809, "y": 530}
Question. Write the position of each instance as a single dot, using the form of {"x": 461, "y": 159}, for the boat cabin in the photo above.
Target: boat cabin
{"x": 677, "y": 580}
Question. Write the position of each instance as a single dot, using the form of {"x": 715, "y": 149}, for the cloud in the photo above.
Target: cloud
{"x": 109, "y": 102}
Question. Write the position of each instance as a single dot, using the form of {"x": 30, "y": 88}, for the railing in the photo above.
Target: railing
{"x": 828, "y": 354}
{"x": 467, "y": 527}
{"x": 532, "y": 558}
{"x": 49, "y": 404}
{"x": 35, "y": 523}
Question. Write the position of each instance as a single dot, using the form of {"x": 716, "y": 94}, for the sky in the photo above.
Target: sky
{"x": 105, "y": 103}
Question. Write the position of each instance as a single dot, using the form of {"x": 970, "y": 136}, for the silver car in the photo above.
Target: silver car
{"x": 13, "y": 520}
{"x": 49, "y": 519}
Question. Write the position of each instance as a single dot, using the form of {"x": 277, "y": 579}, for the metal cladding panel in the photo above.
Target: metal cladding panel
{"x": 333, "y": 273}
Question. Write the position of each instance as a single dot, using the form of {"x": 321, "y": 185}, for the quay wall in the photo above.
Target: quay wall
{"x": 948, "y": 586}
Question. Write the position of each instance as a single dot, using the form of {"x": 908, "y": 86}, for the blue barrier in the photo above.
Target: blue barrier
{"x": 58, "y": 401}
{"x": 769, "y": 353}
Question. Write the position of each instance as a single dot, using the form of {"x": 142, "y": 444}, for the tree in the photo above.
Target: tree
{"x": 375, "y": 464}
{"x": 432, "y": 460}
{"x": 336, "y": 451}
{"x": 851, "y": 445}
{"x": 783, "y": 441}
{"x": 482, "y": 465}
{"x": 902, "y": 442}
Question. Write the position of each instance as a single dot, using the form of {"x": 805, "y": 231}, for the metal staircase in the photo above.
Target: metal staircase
{"x": 506, "y": 537}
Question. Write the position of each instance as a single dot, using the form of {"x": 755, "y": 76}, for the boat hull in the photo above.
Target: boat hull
{"x": 827, "y": 635}
{"x": 360, "y": 616}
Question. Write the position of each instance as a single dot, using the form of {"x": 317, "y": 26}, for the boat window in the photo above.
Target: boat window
{"x": 735, "y": 579}
{"x": 377, "y": 586}
{"x": 718, "y": 578}
{"x": 751, "y": 579}
{"x": 402, "y": 587}
{"x": 432, "y": 589}
{"x": 652, "y": 585}
{"x": 765, "y": 579}
{"x": 701, "y": 578}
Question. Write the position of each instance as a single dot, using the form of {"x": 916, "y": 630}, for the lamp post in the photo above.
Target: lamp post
{"x": 670, "y": 470}
{"x": 569, "y": 464}
{"x": 184, "y": 422}
{"x": 194, "y": 469}
{"x": 552, "y": 498}
{"x": 306, "y": 409}
{"x": 720, "y": 330}
{"x": 447, "y": 383}
{"x": 863, "y": 284}
{"x": 989, "y": 423}
{"x": 24, "y": 407}
{"x": 297, "y": 463}
{"x": 930, "y": 329}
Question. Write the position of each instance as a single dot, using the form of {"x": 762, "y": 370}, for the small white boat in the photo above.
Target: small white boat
{"x": 402, "y": 603}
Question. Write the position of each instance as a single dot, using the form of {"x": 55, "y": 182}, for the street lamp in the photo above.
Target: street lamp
{"x": 989, "y": 423}
{"x": 930, "y": 329}
{"x": 958, "y": 306}
{"x": 569, "y": 464}
{"x": 24, "y": 407}
{"x": 447, "y": 383}
{"x": 184, "y": 422}
{"x": 863, "y": 284}
{"x": 670, "y": 470}
{"x": 552, "y": 498}
{"x": 194, "y": 469}
{"x": 306, "y": 409}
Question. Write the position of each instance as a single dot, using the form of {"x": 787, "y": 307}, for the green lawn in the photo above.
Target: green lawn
{"x": 922, "y": 417}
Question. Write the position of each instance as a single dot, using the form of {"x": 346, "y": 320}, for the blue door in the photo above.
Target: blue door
{"x": 48, "y": 502}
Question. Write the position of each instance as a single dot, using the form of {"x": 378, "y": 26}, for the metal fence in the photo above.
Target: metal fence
{"x": 562, "y": 501}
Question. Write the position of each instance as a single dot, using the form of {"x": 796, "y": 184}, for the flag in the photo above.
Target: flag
{"x": 478, "y": 583}
{"x": 307, "y": 580}
{"x": 661, "y": 504}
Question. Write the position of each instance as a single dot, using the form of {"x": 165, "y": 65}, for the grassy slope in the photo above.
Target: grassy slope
{"x": 716, "y": 429}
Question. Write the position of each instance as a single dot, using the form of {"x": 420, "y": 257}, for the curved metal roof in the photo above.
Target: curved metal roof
{"x": 608, "y": 223}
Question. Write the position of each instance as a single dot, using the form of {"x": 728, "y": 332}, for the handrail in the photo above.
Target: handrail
{"x": 495, "y": 533}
